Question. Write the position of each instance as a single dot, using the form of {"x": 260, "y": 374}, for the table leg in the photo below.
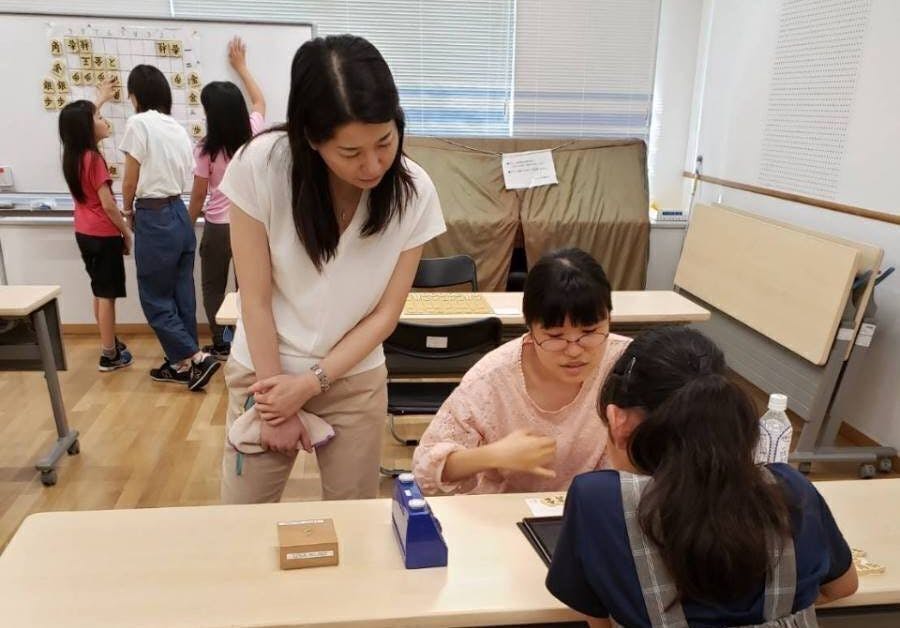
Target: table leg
{"x": 67, "y": 439}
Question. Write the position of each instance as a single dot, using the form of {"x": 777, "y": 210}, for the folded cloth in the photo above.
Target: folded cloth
{"x": 244, "y": 434}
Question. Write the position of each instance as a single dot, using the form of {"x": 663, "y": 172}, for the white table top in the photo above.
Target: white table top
{"x": 218, "y": 565}
{"x": 23, "y": 300}
{"x": 629, "y": 307}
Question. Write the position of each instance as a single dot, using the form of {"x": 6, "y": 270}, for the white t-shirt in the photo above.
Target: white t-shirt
{"x": 314, "y": 310}
{"x": 164, "y": 150}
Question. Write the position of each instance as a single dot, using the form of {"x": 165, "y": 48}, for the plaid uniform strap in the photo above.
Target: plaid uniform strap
{"x": 657, "y": 588}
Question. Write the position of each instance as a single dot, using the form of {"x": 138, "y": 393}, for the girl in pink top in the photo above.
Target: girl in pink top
{"x": 228, "y": 126}
{"x": 524, "y": 419}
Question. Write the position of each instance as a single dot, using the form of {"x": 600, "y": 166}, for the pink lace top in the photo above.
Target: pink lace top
{"x": 491, "y": 402}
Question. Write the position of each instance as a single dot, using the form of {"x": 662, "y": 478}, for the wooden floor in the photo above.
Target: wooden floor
{"x": 143, "y": 444}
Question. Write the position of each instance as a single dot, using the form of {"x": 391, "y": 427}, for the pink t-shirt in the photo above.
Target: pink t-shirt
{"x": 491, "y": 402}
{"x": 214, "y": 169}
{"x": 90, "y": 217}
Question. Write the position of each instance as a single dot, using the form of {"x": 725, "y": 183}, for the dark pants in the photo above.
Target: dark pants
{"x": 164, "y": 244}
{"x": 215, "y": 258}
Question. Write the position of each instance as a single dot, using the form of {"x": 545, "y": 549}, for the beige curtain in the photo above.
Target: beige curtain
{"x": 599, "y": 205}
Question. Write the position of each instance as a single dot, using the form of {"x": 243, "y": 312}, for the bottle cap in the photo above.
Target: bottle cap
{"x": 416, "y": 503}
{"x": 778, "y": 402}
{"x": 406, "y": 478}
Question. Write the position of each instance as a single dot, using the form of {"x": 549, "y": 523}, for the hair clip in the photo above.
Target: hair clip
{"x": 630, "y": 367}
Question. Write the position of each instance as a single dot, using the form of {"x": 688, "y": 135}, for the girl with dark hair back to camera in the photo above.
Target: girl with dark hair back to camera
{"x": 158, "y": 163}
{"x": 690, "y": 531}
{"x": 229, "y": 125}
{"x": 102, "y": 235}
{"x": 328, "y": 221}
{"x": 524, "y": 418}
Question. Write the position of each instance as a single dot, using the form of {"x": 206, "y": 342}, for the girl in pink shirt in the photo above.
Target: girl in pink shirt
{"x": 228, "y": 126}
{"x": 524, "y": 418}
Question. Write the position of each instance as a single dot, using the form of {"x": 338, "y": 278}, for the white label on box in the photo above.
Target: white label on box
{"x": 436, "y": 342}
{"x": 507, "y": 311}
{"x": 528, "y": 170}
{"x": 845, "y": 333}
{"x": 310, "y": 555}
{"x": 304, "y": 522}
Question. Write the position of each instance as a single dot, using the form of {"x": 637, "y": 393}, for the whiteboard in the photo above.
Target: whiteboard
{"x": 29, "y": 138}
{"x": 735, "y": 92}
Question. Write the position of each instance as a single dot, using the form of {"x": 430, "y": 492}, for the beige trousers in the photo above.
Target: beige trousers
{"x": 354, "y": 406}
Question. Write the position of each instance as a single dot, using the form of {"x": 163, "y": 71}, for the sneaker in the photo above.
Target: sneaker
{"x": 202, "y": 372}
{"x": 167, "y": 373}
{"x": 219, "y": 352}
{"x": 120, "y": 346}
{"x": 121, "y": 360}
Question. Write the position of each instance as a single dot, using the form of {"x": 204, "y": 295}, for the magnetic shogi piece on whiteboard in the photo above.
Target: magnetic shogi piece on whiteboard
{"x": 112, "y": 62}
{"x": 71, "y": 44}
{"x": 196, "y": 129}
{"x": 49, "y": 102}
{"x": 113, "y": 171}
{"x": 58, "y": 67}
{"x": 99, "y": 61}
{"x": 175, "y": 48}
{"x": 48, "y": 85}
{"x": 85, "y": 45}
{"x": 62, "y": 86}
{"x": 194, "y": 97}
{"x": 100, "y": 77}
{"x": 193, "y": 79}
{"x": 114, "y": 78}
{"x": 56, "y": 47}
{"x": 162, "y": 49}
{"x": 117, "y": 94}
{"x": 76, "y": 77}
{"x": 88, "y": 77}
{"x": 61, "y": 100}
{"x": 178, "y": 80}
{"x": 86, "y": 61}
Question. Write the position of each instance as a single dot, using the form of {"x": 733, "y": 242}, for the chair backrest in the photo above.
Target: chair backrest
{"x": 432, "y": 343}
{"x": 441, "y": 272}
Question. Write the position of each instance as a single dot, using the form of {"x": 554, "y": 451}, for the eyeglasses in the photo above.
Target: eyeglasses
{"x": 590, "y": 340}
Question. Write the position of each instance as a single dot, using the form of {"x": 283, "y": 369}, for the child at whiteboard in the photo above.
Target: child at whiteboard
{"x": 228, "y": 126}
{"x": 158, "y": 161}
{"x": 102, "y": 235}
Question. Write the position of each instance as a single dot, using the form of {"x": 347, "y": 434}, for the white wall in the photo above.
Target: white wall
{"x": 676, "y": 60}
{"x": 730, "y": 96}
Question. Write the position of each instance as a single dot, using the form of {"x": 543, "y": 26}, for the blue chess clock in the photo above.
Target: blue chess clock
{"x": 416, "y": 527}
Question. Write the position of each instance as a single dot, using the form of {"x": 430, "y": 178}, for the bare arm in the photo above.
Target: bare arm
{"x": 517, "y": 451}
{"x": 129, "y": 186}
{"x": 845, "y": 585}
{"x": 198, "y": 195}
{"x": 250, "y": 247}
{"x": 237, "y": 57}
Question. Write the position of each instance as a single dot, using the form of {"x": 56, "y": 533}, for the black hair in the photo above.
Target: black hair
{"x": 566, "y": 284}
{"x": 709, "y": 508}
{"x": 336, "y": 80}
{"x": 76, "y": 131}
{"x": 150, "y": 89}
{"x": 227, "y": 119}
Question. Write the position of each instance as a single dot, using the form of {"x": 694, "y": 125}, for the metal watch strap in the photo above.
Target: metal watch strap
{"x": 324, "y": 382}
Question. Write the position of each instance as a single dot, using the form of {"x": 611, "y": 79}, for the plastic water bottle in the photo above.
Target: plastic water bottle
{"x": 774, "y": 432}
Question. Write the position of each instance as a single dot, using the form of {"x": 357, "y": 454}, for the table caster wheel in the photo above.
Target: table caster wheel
{"x": 866, "y": 471}
{"x": 48, "y": 478}
{"x": 74, "y": 449}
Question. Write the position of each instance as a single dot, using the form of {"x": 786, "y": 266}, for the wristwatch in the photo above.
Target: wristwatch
{"x": 319, "y": 372}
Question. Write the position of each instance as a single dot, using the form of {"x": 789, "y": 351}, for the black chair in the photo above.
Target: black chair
{"x": 441, "y": 272}
{"x": 429, "y": 345}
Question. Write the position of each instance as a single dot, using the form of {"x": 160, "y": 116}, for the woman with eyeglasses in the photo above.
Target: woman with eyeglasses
{"x": 524, "y": 418}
